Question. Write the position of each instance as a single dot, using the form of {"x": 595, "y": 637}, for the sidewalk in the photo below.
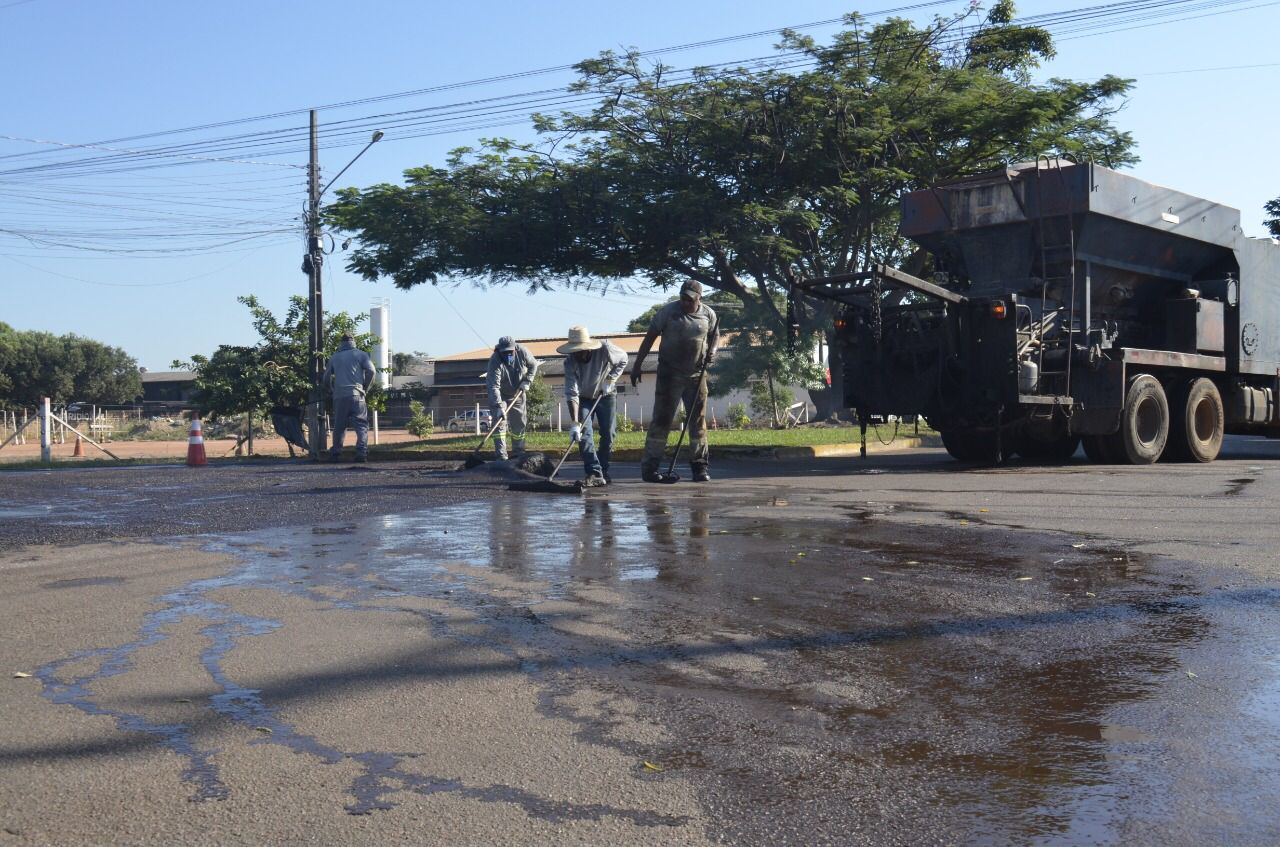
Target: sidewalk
{"x": 214, "y": 448}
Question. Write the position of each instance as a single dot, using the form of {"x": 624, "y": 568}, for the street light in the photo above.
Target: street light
{"x": 311, "y": 264}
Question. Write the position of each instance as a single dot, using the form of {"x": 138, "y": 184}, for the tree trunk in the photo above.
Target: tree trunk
{"x": 773, "y": 399}
{"x": 830, "y": 401}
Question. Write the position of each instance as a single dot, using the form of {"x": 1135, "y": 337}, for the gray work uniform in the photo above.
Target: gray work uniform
{"x": 607, "y": 363}
{"x": 352, "y": 372}
{"x": 505, "y": 379}
{"x": 685, "y": 342}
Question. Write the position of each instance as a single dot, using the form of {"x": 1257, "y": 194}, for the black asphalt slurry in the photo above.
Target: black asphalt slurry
{"x": 821, "y": 676}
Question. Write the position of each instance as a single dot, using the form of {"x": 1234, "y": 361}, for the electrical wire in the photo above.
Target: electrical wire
{"x": 236, "y": 215}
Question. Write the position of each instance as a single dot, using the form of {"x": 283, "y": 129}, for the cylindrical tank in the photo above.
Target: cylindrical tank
{"x": 380, "y": 325}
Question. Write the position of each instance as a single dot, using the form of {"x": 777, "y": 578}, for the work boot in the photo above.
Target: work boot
{"x": 649, "y": 472}
{"x": 594, "y": 481}
{"x": 334, "y": 456}
{"x": 700, "y": 473}
{"x": 361, "y": 458}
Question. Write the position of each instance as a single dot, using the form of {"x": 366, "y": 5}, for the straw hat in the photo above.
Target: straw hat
{"x": 579, "y": 340}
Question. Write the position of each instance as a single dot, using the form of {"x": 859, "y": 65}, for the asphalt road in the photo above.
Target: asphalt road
{"x": 897, "y": 650}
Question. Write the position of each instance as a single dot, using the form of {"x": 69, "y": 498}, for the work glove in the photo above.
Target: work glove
{"x": 635, "y": 377}
{"x": 575, "y": 434}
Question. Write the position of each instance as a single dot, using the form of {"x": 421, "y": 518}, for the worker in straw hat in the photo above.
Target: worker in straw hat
{"x": 511, "y": 371}
{"x": 591, "y": 370}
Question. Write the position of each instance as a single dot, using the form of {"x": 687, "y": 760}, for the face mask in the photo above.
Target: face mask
{"x": 511, "y": 357}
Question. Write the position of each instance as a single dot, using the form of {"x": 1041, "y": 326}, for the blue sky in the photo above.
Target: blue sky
{"x": 174, "y": 246}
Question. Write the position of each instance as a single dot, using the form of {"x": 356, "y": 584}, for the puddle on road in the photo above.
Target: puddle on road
{"x": 831, "y": 671}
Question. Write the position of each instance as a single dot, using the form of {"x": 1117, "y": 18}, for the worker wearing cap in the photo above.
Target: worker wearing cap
{"x": 591, "y": 370}
{"x": 690, "y": 335}
{"x": 511, "y": 371}
{"x": 352, "y": 372}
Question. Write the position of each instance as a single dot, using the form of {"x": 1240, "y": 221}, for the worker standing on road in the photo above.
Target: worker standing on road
{"x": 511, "y": 371}
{"x": 591, "y": 371}
{"x": 352, "y": 373}
{"x": 690, "y": 333}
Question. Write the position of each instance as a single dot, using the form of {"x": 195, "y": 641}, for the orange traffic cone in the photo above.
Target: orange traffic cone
{"x": 79, "y": 454}
{"x": 195, "y": 445}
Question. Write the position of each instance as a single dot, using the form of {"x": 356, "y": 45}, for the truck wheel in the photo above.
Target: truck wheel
{"x": 967, "y": 445}
{"x": 1055, "y": 450}
{"x": 1199, "y": 421}
{"x": 1144, "y": 421}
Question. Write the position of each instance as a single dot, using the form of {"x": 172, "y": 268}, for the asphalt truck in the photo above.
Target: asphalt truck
{"x": 1068, "y": 303}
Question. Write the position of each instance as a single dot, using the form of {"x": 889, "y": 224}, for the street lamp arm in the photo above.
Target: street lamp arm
{"x": 377, "y": 136}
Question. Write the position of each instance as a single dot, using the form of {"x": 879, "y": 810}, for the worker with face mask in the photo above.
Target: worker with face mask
{"x": 511, "y": 371}
{"x": 591, "y": 370}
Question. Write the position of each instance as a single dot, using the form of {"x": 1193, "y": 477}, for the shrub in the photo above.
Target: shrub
{"x": 419, "y": 422}
{"x": 773, "y": 408}
{"x": 625, "y": 424}
{"x": 737, "y": 416}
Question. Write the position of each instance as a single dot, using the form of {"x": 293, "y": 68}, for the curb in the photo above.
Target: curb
{"x": 780, "y": 454}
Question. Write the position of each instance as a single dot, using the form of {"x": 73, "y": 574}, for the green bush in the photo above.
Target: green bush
{"x": 625, "y": 424}
{"x": 772, "y": 408}
{"x": 737, "y": 417}
{"x": 420, "y": 423}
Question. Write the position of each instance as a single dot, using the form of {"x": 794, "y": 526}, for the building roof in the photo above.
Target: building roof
{"x": 168, "y": 376}
{"x": 546, "y": 347}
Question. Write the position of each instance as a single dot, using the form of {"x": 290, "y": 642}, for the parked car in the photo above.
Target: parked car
{"x": 466, "y": 421}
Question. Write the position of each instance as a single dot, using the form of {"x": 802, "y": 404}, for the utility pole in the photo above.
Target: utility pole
{"x": 315, "y": 301}
{"x": 312, "y": 262}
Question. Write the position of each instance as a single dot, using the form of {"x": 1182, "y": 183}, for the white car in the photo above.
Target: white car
{"x": 466, "y": 421}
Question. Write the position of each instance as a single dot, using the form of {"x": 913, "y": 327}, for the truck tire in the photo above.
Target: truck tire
{"x": 1144, "y": 421}
{"x": 1199, "y": 422}
{"x": 1098, "y": 449}
{"x": 967, "y": 445}
{"x": 1054, "y": 450}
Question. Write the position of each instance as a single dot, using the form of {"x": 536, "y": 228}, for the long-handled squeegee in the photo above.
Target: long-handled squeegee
{"x": 550, "y": 485}
{"x": 474, "y": 460}
{"x": 671, "y": 476}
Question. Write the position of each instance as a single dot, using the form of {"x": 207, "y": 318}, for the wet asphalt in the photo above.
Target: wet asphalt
{"x": 897, "y": 650}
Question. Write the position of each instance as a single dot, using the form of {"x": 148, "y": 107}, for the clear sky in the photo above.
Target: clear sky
{"x": 152, "y": 260}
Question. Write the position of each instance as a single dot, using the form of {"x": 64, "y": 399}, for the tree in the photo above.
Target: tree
{"x": 403, "y": 364}
{"x": 745, "y": 179}
{"x": 539, "y": 398}
{"x": 1273, "y": 223}
{"x": 236, "y": 379}
{"x": 64, "y": 368}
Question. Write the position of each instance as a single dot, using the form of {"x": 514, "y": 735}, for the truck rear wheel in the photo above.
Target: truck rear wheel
{"x": 1056, "y": 449}
{"x": 967, "y": 445}
{"x": 1144, "y": 421}
{"x": 1199, "y": 422}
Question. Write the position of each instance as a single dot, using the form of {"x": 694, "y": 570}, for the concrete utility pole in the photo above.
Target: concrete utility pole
{"x": 315, "y": 300}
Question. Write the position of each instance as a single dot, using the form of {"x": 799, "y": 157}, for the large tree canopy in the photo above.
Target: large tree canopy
{"x": 742, "y": 178}
{"x": 64, "y": 368}
{"x": 236, "y": 379}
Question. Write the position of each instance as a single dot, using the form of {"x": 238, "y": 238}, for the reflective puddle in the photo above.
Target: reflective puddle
{"x": 813, "y": 670}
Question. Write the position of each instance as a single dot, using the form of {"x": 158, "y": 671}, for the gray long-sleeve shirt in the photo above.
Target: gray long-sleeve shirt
{"x": 608, "y": 359}
{"x": 505, "y": 379}
{"x": 351, "y": 370}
